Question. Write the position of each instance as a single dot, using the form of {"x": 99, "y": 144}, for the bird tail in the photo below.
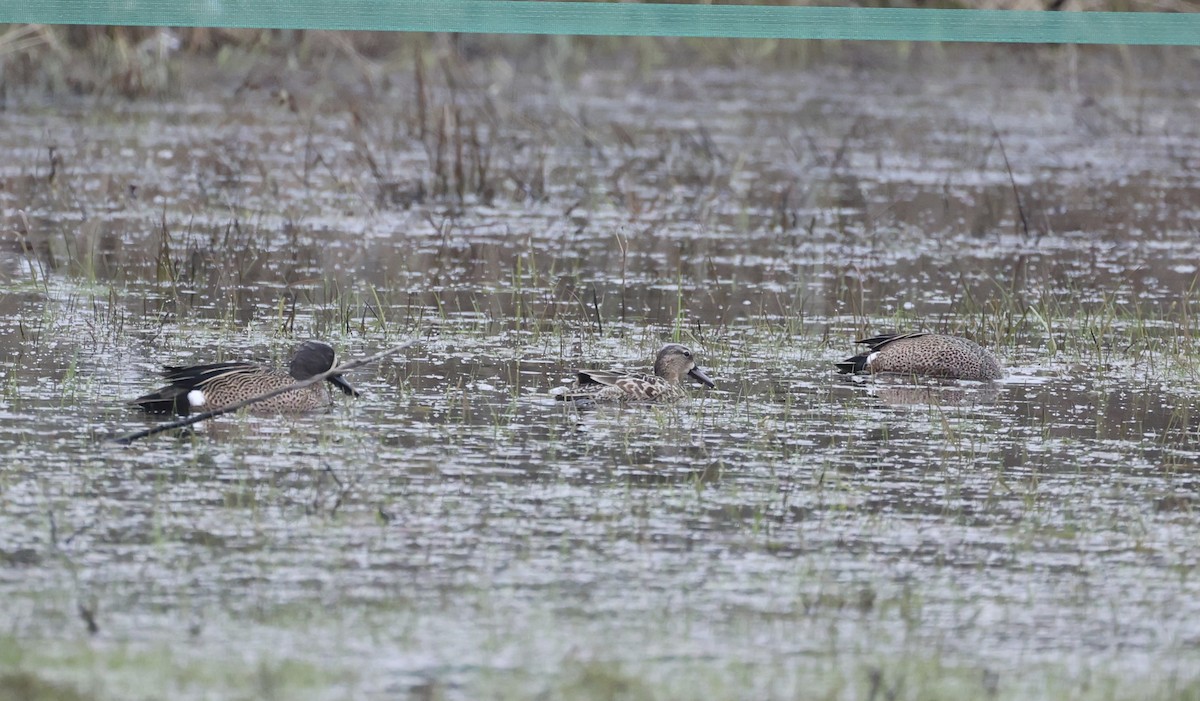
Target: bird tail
{"x": 168, "y": 400}
{"x": 854, "y": 365}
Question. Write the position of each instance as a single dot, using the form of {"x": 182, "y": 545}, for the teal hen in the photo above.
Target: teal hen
{"x": 674, "y": 362}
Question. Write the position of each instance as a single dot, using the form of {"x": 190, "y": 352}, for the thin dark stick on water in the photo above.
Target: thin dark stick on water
{"x": 197, "y": 418}
{"x": 596, "y": 306}
{"x": 1012, "y": 181}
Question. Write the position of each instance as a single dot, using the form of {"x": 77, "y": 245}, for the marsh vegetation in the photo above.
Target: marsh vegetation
{"x": 527, "y": 207}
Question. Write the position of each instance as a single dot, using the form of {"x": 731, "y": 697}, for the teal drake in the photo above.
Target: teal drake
{"x": 220, "y": 384}
{"x": 673, "y": 363}
{"x": 926, "y": 355}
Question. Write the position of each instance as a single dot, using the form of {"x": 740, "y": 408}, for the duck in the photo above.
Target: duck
{"x": 924, "y": 355}
{"x": 672, "y": 364}
{"x": 218, "y": 385}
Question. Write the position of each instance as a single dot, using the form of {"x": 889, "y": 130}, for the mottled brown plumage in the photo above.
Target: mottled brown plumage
{"x": 218, "y": 385}
{"x": 924, "y": 354}
{"x": 674, "y": 362}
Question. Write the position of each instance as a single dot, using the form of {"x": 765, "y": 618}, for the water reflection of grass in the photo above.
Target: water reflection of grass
{"x": 916, "y": 677}
{"x": 137, "y": 671}
{"x": 134, "y": 671}
{"x": 28, "y": 686}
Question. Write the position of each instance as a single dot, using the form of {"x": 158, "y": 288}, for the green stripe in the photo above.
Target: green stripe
{"x": 626, "y": 19}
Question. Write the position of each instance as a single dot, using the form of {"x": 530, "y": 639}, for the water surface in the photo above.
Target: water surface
{"x": 457, "y": 533}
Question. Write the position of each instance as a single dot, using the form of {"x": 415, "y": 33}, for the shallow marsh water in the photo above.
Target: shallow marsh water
{"x": 458, "y": 534}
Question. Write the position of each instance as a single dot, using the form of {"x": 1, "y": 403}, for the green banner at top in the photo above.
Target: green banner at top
{"x": 626, "y": 19}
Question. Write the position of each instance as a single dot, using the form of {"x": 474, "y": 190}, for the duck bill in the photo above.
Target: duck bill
{"x": 340, "y": 382}
{"x": 699, "y": 376}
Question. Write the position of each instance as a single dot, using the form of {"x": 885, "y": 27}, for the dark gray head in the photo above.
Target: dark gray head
{"x": 674, "y": 361}
{"x": 314, "y": 358}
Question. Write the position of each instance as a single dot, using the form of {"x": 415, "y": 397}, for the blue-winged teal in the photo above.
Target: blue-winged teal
{"x": 673, "y": 363}
{"x": 221, "y": 384}
{"x": 926, "y": 354}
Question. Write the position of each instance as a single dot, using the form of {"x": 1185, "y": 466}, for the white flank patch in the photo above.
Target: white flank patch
{"x": 196, "y": 398}
{"x": 871, "y": 361}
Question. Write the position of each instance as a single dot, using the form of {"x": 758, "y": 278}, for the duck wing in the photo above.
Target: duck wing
{"x": 877, "y": 342}
{"x": 193, "y": 376}
{"x": 173, "y": 399}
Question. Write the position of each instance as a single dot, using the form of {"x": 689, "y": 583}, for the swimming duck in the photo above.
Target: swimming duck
{"x": 673, "y": 363}
{"x": 924, "y": 354}
{"x": 207, "y": 387}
